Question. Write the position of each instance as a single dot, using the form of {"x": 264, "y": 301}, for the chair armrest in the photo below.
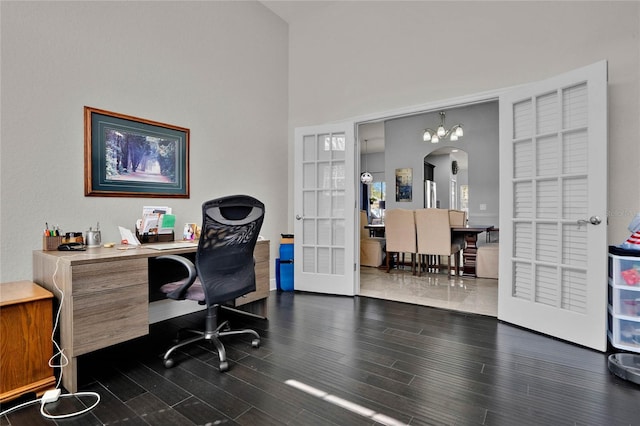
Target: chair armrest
{"x": 180, "y": 292}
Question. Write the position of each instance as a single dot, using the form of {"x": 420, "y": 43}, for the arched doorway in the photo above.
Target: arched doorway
{"x": 446, "y": 179}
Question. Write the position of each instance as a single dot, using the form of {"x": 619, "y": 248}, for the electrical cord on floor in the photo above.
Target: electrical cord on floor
{"x": 65, "y": 416}
{"x": 55, "y": 394}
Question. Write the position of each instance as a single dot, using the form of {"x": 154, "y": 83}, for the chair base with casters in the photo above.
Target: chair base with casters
{"x": 213, "y": 331}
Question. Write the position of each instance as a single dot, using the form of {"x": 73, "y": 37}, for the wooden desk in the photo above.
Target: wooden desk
{"x": 26, "y": 323}
{"x": 471, "y": 249}
{"x": 106, "y": 296}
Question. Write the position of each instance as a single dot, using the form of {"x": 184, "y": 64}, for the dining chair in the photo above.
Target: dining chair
{"x": 458, "y": 219}
{"x": 433, "y": 231}
{"x": 371, "y": 248}
{"x": 400, "y": 234}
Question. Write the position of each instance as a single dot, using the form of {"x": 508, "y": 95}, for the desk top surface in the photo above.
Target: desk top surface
{"x": 104, "y": 254}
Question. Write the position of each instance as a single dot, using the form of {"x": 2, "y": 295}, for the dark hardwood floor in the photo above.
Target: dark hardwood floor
{"x": 362, "y": 362}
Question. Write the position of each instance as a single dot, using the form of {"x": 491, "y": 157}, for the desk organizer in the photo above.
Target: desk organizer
{"x": 155, "y": 238}
{"x": 51, "y": 243}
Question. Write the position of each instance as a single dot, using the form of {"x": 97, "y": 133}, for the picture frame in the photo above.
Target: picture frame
{"x": 404, "y": 185}
{"x": 126, "y": 156}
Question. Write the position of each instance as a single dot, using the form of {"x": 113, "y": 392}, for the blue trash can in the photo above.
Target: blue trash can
{"x": 284, "y": 264}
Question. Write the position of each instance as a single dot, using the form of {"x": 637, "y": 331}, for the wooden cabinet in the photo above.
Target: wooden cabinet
{"x": 26, "y": 320}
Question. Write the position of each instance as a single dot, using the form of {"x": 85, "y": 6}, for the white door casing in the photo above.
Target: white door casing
{"x": 553, "y": 206}
{"x": 324, "y": 200}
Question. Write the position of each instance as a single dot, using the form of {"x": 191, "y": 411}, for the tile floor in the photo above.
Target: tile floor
{"x": 466, "y": 294}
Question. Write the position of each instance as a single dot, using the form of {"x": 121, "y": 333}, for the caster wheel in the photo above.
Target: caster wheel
{"x": 168, "y": 363}
{"x": 255, "y": 343}
{"x": 224, "y": 366}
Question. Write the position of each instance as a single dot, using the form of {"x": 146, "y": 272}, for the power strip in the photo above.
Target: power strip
{"x": 50, "y": 396}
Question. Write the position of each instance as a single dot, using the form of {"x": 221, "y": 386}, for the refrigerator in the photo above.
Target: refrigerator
{"x": 429, "y": 194}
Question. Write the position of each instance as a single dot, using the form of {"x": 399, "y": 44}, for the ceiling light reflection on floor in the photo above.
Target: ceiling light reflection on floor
{"x": 340, "y": 402}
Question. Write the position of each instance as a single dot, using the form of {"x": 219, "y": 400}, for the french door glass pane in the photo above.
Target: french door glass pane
{"x": 324, "y": 174}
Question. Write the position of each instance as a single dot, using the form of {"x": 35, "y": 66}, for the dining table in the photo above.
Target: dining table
{"x": 469, "y": 233}
{"x": 375, "y": 229}
{"x": 470, "y": 251}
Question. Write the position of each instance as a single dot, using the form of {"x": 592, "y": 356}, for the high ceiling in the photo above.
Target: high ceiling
{"x": 296, "y": 10}
{"x": 292, "y": 11}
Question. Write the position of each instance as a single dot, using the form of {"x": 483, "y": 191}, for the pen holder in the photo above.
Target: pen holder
{"x": 51, "y": 243}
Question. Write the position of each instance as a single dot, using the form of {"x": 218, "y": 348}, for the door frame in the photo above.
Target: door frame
{"x": 478, "y": 98}
{"x": 461, "y": 101}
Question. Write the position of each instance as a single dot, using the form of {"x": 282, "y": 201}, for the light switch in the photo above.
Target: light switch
{"x": 483, "y": 207}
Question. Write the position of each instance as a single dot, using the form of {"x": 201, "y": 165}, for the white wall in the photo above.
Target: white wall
{"x": 220, "y": 69}
{"x": 352, "y": 59}
{"x": 404, "y": 147}
{"x": 217, "y": 68}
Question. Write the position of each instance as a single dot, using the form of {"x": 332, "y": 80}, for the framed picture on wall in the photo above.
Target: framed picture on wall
{"x": 404, "y": 185}
{"x": 126, "y": 156}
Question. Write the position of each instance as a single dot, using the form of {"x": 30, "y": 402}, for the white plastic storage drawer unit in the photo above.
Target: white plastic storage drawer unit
{"x": 624, "y": 302}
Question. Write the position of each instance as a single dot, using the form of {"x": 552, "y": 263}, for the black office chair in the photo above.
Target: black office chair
{"x": 224, "y": 268}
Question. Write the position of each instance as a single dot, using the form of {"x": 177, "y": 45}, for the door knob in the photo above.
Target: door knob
{"x": 594, "y": 220}
{"x": 298, "y": 217}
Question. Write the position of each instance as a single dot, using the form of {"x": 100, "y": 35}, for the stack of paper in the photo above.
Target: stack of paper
{"x": 156, "y": 220}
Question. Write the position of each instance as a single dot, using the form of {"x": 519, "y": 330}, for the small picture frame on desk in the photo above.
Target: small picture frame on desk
{"x": 127, "y": 156}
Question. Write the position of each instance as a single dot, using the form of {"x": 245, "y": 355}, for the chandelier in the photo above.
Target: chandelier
{"x": 434, "y": 136}
{"x": 366, "y": 177}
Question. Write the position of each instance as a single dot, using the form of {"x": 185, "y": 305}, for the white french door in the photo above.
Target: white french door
{"x": 553, "y": 206}
{"x": 324, "y": 205}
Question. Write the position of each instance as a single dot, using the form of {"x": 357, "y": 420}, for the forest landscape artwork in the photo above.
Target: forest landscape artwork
{"x": 133, "y": 157}
{"x": 136, "y": 157}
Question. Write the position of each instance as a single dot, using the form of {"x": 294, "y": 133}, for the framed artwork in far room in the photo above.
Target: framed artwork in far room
{"x": 404, "y": 185}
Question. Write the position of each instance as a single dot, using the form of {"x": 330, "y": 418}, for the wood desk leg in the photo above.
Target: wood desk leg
{"x": 70, "y": 375}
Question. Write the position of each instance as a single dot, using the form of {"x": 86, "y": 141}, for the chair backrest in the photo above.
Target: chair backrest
{"x": 457, "y": 218}
{"x": 364, "y": 232}
{"x": 400, "y": 231}
{"x": 224, "y": 260}
{"x": 433, "y": 231}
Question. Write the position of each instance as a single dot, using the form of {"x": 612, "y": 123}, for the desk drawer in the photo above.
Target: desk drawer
{"x": 107, "y": 318}
{"x": 110, "y": 304}
{"x": 261, "y": 255}
{"x": 105, "y": 276}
